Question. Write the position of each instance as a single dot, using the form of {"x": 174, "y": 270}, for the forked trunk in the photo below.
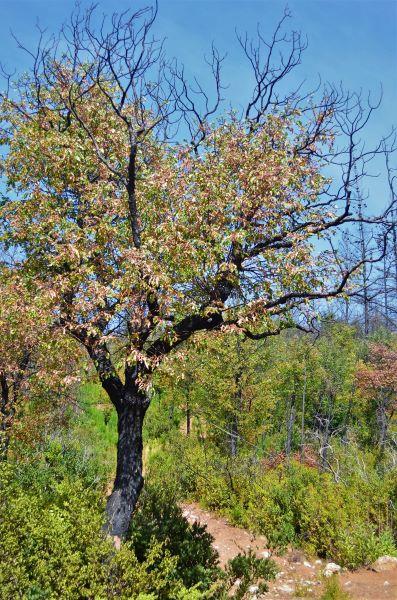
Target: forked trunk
{"x": 129, "y": 478}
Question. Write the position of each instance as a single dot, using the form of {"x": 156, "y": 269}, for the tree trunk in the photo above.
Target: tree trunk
{"x": 303, "y": 413}
{"x": 129, "y": 478}
{"x": 290, "y": 424}
{"x": 234, "y": 424}
{"x": 382, "y": 421}
{"x": 233, "y": 436}
{"x": 365, "y": 276}
{"x": 6, "y": 416}
{"x": 188, "y": 423}
{"x": 325, "y": 445}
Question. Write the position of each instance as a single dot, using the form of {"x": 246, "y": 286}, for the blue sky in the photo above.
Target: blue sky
{"x": 353, "y": 41}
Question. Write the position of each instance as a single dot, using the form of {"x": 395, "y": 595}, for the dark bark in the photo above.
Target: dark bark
{"x": 9, "y": 396}
{"x": 6, "y": 416}
{"x": 129, "y": 480}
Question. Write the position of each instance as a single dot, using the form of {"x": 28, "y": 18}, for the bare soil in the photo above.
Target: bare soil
{"x": 298, "y": 575}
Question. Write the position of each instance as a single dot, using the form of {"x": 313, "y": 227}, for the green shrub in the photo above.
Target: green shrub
{"x": 350, "y": 521}
{"x": 52, "y": 545}
{"x": 361, "y": 546}
{"x": 250, "y": 570}
{"x": 159, "y": 518}
{"x": 333, "y": 590}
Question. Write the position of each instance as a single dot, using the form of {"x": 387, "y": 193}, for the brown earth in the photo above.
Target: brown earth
{"x": 297, "y": 574}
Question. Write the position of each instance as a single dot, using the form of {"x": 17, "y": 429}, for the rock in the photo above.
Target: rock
{"x": 279, "y": 574}
{"x": 307, "y": 564}
{"x": 286, "y": 589}
{"x": 318, "y": 562}
{"x": 386, "y": 583}
{"x": 237, "y": 583}
{"x": 384, "y": 563}
{"x": 331, "y": 569}
{"x": 253, "y": 589}
{"x": 266, "y": 554}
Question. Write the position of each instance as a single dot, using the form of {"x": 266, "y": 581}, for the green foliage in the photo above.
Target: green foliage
{"x": 160, "y": 518}
{"x": 96, "y": 426}
{"x": 52, "y": 545}
{"x": 333, "y": 590}
{"x": 250, "y": 570}
{"x": 349, "y": 521}
{"x": 55, "y": 460}
{"x": 338, "y": 505}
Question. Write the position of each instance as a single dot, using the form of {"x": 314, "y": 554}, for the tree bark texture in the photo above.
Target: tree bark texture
{"x": 129, "y": 474}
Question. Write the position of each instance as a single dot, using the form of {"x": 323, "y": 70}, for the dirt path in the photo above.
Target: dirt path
{"x": 296, "y": 573}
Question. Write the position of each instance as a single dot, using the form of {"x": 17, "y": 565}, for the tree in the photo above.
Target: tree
{"x": 34, "y": 359}
{"x": 149, "y": 238}
{"x": 378, "y": 381}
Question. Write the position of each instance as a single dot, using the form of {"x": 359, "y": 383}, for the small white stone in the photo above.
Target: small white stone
{"x": 331, "y": 569}
{"x": 253, "y": 589}
{"x": 347, "y": 583}
{"x": 286, "y": 589}
{"x": 237, "y": 583}
{"x": 307, "y": 564}
{"x": 386, "y": 583}
{"x": 266, "y": 554}
{"x": 318, "y": 562}
{"x": 279, "y": 574}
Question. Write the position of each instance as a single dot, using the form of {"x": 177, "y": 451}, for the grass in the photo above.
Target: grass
{"x": 333, "y": 590}
{"x": 96, "y": 426}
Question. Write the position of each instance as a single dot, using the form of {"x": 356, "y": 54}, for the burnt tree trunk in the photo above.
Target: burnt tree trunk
{"x": 9, "y": 396}
{"x": 5, "y": 415}
{"x": 131, "y": 404}
{"x": 188, "y": 419}
{"x": 129, "y": 480}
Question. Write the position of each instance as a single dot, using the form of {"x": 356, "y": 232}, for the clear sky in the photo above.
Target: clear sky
{"x": 353, "y": 41}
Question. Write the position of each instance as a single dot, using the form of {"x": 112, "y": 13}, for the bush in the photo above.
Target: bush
{"x": 159, "y": 518}
{"x": 249, "y": 570}
{"x": 52, "y": 545}
{"x": 333, "y": 590}
{"x": 292, "y": 504}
